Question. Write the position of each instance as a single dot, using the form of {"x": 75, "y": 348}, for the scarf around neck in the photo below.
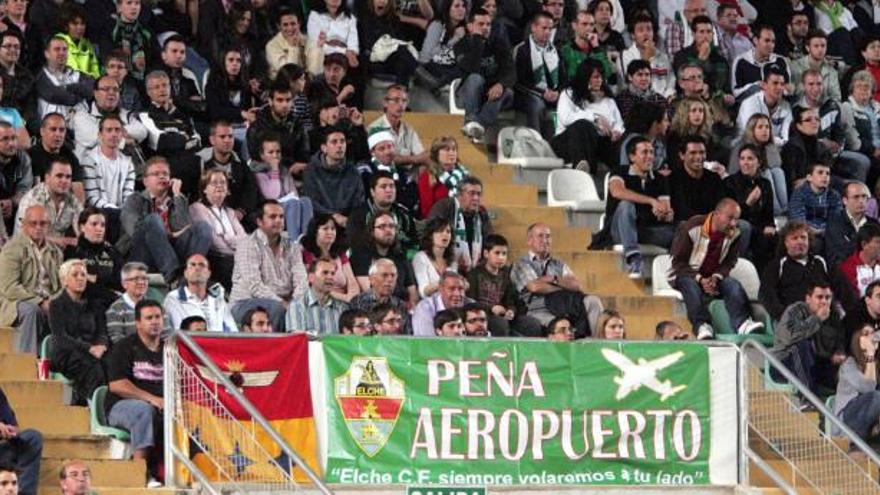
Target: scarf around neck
{"x": 545, "y": 65}
{"x": 834, "y": 12}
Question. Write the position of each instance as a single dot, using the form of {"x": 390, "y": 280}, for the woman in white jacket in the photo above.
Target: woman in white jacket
{"x": 588, "y": 122}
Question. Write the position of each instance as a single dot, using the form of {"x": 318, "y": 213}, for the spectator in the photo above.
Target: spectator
{"x": 12, "y": 116}
{"x": 661, "y": 76}
{"x": 79, "y": 333}
{"x": 238, "y": 36}
{"x": 560, "y": 329}
{"x": 386, "y": 320}
{"x": 380, "y": 241}
{"x": 692, "y": 117}
{"x": 437, "y": 57}
{"x": 584, "y": 44}
{"x": 382, "y": 282}
{"x": 785, "y": 279}
{"x": 670, "y": 330}
{"x": 447, "y": 323}
{"x": 130, "y": 37}
{"x": 243, "y": 195}
{"x": 289, "y": 45}
{"x": 866, "y": 312}
{"x": 85, "y": 123}
{"x": 196, "y": 298}
{"x": 337, "y": 83}
{"x": 809, "y": 339}
{"x": 488, "y": 76}
{"x": 702, "y": 52}
{"x": 817, "y": 48}
{"x": 108, "y": 174}
{"x": 15, "y": 167}
{"x": 803, "y": 147}
{"x": 407, "y": 144}
{"x": 841, "y": 228}
{"x": 170, "y": 131}
{"x": 80, "y": 52}
{"x": 639, "y": 205}
{"x": 18, "y": 80}
{"x": 469, "y": 219}
{"x": 316, "y": 311}
{"x": 76, "y": 478}
{"x": 611, "y": 326}
{"x": 227, "y": 230}
{"x": 678, "y": 33}
{"x": 609, "y": 38}
{"x": 813, "y": 201}
{"x": 184, "y": 86}
{"x": 383, "y": 199}
{"x": 638, "y": 90}
{"x": 862, "y": 113}
{"x": 324, "y": 239}
{"x": 230, "y": 95}
{"x": 539, "y": 74}
{"x": 8, "y": 480}
{"x": 436, "y": 256}
{"x": 269, "y": 270}
{"x": 443, "y": 176}
{"x": 157, "y": 228}
{"x": 693, "y": 189}
{"x": 135, "y": 402}
{"x": 857, "y": 401}
{"x": 51, "y": 146}
{"x": 754, "y": 194}
{"x": 331, "y": 114}
{"x": 474, "y": 317}
{"x": 759, "y": 132}
{"x": 355, "y": 322}
{"x": 731, "y": 42}
{"x": 58, "y": 87}
{"x": 863, "y": 266}
{"x": 768, "y": 100}
{"x": 101, "y": 259}
{"x": 277, "y": 117}
{"x": 60, "y": 204}
{"x": 332, "y": 183}
{"x": 691, "y": 85}
{"x": 22, "y": 448}
{"x": 276, "y": 183}
{"x": 256, "y": 320}
{"x": 650, "y": 121}
{"x": 588, "y": 123}
{"x": 753, "y": 66}
{"x": 792, "y": 45}
{"x": 120, "y": 314}
{"x": 194, "y": 324}
{"x": 395, "y": 60}
{"x": 836, "y": 20}
{"x": 704, "y": 251}
{"x": 549, "y": 288}
{"x": 334, "y": 30}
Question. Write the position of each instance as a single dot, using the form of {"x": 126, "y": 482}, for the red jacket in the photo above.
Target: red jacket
{"x": 858, "y": 274}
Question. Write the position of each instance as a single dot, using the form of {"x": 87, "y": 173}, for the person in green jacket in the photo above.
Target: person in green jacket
{"x": 80, "y": 52}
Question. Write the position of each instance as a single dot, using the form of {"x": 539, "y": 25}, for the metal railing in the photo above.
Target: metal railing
{"x": 811, "y": 457}
{"x": 189, "y": 400}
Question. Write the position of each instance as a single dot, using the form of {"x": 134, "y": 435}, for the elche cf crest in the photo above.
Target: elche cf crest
{"x": 370, "y": 397}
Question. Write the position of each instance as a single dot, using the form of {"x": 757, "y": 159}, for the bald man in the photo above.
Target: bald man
{"x": 701, "y": 262}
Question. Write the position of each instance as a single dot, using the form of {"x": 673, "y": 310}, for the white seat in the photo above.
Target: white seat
{"x": 659, "y": 283}
{"x": 453, "y": 106}
{"x": 508, "y": 135}
{"x": 645, "y": 249}
{"x": 205, "y": 77}
{"x": 747, "y": 275}
{"x": 573, "y": 189}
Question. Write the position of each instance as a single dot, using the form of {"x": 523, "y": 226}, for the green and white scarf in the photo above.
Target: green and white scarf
{"x": 545, "y": 64}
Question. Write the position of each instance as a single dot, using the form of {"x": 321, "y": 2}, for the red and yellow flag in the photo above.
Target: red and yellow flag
{"x": 273, "y": 374}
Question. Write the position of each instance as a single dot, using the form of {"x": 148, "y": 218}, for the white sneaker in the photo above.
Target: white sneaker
{"x": 749, "y": 326}
{"x": 154, "y": 483}
{"x": 705, "y": 332}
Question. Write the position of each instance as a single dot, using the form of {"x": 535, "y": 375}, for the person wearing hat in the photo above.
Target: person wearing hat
{"x": 383, "y": 154}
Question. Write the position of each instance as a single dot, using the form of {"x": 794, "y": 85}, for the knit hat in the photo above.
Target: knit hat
{"x": 378, "y": 137}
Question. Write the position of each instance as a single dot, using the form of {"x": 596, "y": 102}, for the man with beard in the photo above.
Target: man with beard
{"x": 383, "y": 199}
{"x": 381, "y": 242}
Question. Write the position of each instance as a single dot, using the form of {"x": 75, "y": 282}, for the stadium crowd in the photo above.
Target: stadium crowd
{"x": 206, "y": 165}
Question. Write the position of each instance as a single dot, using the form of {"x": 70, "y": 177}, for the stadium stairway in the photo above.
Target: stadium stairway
{"x": 66, "y": 430}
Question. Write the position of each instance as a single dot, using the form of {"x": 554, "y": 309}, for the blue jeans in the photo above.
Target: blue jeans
{"x": 861, "y": 413}
{"x": 735, "y": 300}
{"x": 535, "y": 109}
{"x": 150, "y": 244}
{"x": 276, "y": 310}
{"x": 625, "y": 230}
{"x": 776, "y": 176}
{"x": 297, "y": 215}
{"x": 140, "y": 419}
{"x": 852, "y": 165}
{"x": 477, "y": 107}
{"x": 24, "y": 452}
{"x": 801, "y": 361}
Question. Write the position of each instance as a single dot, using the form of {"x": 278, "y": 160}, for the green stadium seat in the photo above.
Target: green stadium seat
{"x": 98, "y": 416}
{"x": 46, "y": 353}
{"x": 724, "y": 331}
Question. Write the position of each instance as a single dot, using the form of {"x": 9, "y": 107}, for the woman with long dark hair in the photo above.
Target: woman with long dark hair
{"x": 230, "y": 97}
{"x": 754, "y": 194}
{"x": 437, "y": 255}
{"x": 437, "y": 57}
{"x": 324, "y": 238}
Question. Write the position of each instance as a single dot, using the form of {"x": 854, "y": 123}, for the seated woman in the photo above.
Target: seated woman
{"x": 79, "y": 333}
{"x": 276, "y": 182}
{"x": 441, "y": 178}
{"x": 230, "y": 97}
{"x": 611, "y": 326}
{"x": 438, "y": 66}
{"x": 332, "y": 29}
{"x": 692, "y": 118}
{"x": 289, "y": 45}
{"x": 754, "y": 194}
{"x": 211, "y": 208}
{"x": 857, "y": 402}
{"x": 384, "y": 50}
{"x": 862, "y": 112}
{"x": 325, "y": 239}
{"x": 612, "y": 40}
{"x": 588, "y": 122}
{"x": 103, "y": 262}
{"x": 238, "y": 34}
{"x": 759, "y": 133}
{"x": 436, "y": 256}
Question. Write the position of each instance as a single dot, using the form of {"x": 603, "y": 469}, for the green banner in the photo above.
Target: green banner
{"x": 478, "y": 412}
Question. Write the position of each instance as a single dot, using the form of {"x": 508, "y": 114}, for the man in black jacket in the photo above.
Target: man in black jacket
{"x": 866, "y": 312}
{"x": 331, "y": 182}
{"x": 278, "y": 117}
{"x": 540, "y": 74}
{"x": 488, "y": 76}
{"x": 244, "y": 195}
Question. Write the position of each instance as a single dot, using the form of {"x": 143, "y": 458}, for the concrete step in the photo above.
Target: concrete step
{"x": 18, "y": 366}
{"x": 129, "y": 473}
{"x": 491, "y": 174}
{"x": 527, "y": 215}
{"x": 82, "y": 447}
{"x": 22, "y": 393}
{"x": 510, "y": 195}
{"x": 565, "y": 240}
{"x": 642, "y": 304}
{"x": 54, "y": 420}
{"x": 603, "y": 285}
{"x": 6, "y": 339}
{"x": 643, "y": 326}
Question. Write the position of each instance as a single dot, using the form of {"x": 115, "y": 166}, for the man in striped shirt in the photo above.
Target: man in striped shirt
{"x": 108, "y": 174}
{"x": 316, "y": 311}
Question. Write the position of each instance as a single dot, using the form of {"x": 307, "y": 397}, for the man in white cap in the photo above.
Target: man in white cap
{"x": 383, "y": 151}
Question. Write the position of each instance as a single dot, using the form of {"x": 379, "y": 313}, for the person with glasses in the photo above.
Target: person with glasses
{"x": 380, "y": 242}
{"x": 18, "y": 80}
{"x": 559, "y": 329}
{"x": 476, "y": 323}
{"x": 316, "y": 311}
{"x": 29, "y": 278}
{"x": 76, "y": 478}
{"x": 197, "y": 297}
{"x": 469, "y": 219}
{"x": 55, "y": 194}
{"x": 355, "y": 322}
{"x": 387, "y": 320}
{"x": 120, "y": 314}
{"x": 408, "y": 145}
{"x": 157, "y": 227}
{"x": 803, "y": 149}
{"x": 221, "y": 155}
{"x": 116, "y": 67}
{"x": 84, "y": 123}
{"x": 171, "y": 132}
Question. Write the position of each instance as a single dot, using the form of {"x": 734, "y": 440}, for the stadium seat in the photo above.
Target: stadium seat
{"x": 830, "y": 429}
{"x": 647, "y": 250}
{"x": 573, "y": 189}
{"x": 509, "y": 135}
{"x": 772, "y": 384}
{"x": 454, "y": 109}
{"x": 724, "y": 331}
{"x": 659, "y": 283}
{"x": 98, "y": 416}
{"x": 46, "y": 353}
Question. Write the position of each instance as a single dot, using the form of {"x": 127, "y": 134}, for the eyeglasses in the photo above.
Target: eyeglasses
{"x": 38, "y": 223}
{"x": 159, "y": 174}
{"x": 137, "y": 278}
{"x": 10, "y": 46}
{"x": 363, "y": 325}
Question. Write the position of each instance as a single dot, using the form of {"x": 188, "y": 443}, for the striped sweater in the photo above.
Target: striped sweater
{"x": 108, "y": 182}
